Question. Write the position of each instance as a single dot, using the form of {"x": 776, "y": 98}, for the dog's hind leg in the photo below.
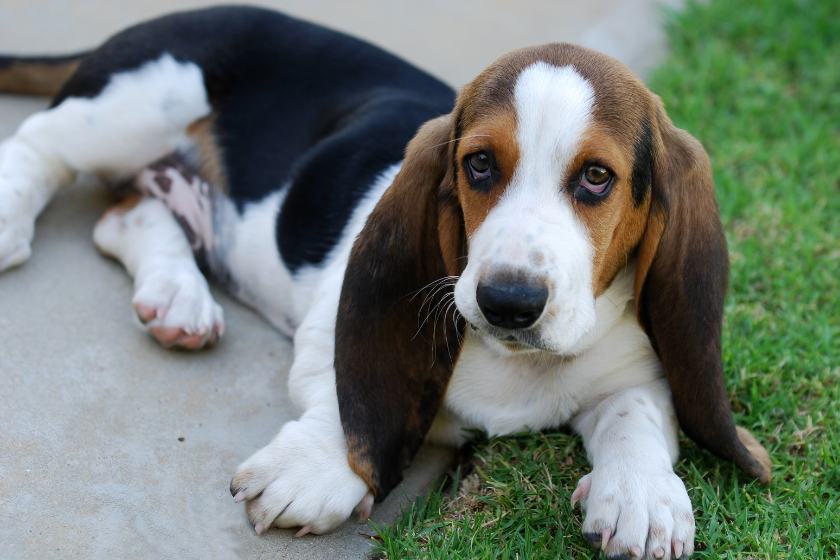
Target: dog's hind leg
{"x": 138, "y": 117}
{"x": 171, "y": 295}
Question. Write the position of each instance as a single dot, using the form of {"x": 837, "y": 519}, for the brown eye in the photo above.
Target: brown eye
{"x": 479, "y": 165}
{"x": 596, "y": 175}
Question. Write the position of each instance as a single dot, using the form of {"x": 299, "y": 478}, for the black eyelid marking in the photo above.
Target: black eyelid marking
{"x": 584, "y": 195}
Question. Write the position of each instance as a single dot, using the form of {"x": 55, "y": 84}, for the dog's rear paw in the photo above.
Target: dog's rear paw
{"x": 636, "y": 514}
{"x": 302, "y": 479}
{"x": 177, "y": 308}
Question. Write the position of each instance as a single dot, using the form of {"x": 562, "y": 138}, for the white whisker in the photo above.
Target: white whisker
{"x": 431, "y": 309}
{"x": 432, "y": 283}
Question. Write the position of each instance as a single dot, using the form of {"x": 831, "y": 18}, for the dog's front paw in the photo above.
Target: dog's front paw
{"x": 16, "y": 234}
{"x": 302, "y": 479}
{"x": 636, "y": 513}
{"x": 17, "y": 219}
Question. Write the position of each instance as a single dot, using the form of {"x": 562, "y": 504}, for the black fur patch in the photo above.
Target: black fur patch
{"x": 642, "y": 175}
{"x": 338, "y": 171}
{"x": 296, "y": 105}
{"x": 458, "y": 130}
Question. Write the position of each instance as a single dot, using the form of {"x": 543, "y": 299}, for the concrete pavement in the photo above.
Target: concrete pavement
{"x": 91, "y": 409}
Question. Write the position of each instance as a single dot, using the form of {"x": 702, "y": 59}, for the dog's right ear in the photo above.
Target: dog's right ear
{"x": 397, "y": 338}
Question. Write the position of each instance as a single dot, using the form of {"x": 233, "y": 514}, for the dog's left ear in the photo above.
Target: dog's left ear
{"x": 681, "y": 281}
{"x": 397, "y": 338}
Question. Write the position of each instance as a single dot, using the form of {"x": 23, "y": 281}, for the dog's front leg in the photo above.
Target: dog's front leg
{"x": 636, "y": 506}
{"x": 303, "y": 477}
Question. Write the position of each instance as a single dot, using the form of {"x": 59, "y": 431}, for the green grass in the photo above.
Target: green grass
{"x": 759, "y": 84}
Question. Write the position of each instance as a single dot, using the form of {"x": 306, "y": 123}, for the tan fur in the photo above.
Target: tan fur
{"x": 616, "y": 225}
{"x": 495, "y": 133}
{"x": 36, "y": 79}
{"x": 758, "y": 451}
{"x": 210, "y": 163}
{"x": 359, "y": 461}
{"x": 122, "y": 207}
{"x": 647, "y": 249}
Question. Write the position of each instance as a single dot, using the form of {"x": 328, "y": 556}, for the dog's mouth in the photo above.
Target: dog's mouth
{"x": 517, "y": 342}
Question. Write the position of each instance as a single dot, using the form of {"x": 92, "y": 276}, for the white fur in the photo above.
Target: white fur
{"x": 613, "y": 392}
{"x": 534, "y": 217}
{"x": 138, "y": 117}
{"x": 505, "y": 393}
{"x": 245, "y": 247}
{"x": 151, "y": 245}
{"x": 632, "y": 496}
{"x": 303, "y": 476}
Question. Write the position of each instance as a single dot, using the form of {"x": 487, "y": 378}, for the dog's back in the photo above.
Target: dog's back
{"x": 293, "y": 116}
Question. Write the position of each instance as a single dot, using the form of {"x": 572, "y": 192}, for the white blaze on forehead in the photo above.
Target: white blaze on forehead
{"x": 553, "y": 109}
{"x": 535, "y": 215}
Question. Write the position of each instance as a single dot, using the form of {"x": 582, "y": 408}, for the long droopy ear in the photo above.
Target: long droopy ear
{"x": 397, "y": 338}
{"x": 681, "y": 280}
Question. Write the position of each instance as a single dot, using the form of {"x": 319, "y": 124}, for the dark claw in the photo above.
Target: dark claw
{"x": 232, "y": 489}
{"x": 594, "y": 539}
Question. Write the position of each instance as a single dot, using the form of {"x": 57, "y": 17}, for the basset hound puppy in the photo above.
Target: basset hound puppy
{"x": 547, "y": 251}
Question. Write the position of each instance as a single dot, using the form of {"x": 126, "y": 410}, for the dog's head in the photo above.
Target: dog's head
{"x": 555, "y": 168}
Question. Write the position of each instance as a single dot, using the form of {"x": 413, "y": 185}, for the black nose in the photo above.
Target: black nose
{"x": 511, "y": 303}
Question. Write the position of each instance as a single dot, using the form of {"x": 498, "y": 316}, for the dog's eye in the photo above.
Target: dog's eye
{"x": 479, "y": 164}
{"x": 595, "y": 178}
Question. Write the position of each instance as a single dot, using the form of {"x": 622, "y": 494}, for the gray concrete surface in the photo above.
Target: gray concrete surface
{"x": 91, "y": 409}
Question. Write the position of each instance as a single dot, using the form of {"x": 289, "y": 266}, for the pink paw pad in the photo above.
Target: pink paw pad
{"x": 172, "y": 336}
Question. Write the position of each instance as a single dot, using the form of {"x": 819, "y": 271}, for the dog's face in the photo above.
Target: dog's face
{"x": 552, "y": 165}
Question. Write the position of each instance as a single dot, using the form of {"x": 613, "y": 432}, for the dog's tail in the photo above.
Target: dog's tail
{"x": 43, "y": 75}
